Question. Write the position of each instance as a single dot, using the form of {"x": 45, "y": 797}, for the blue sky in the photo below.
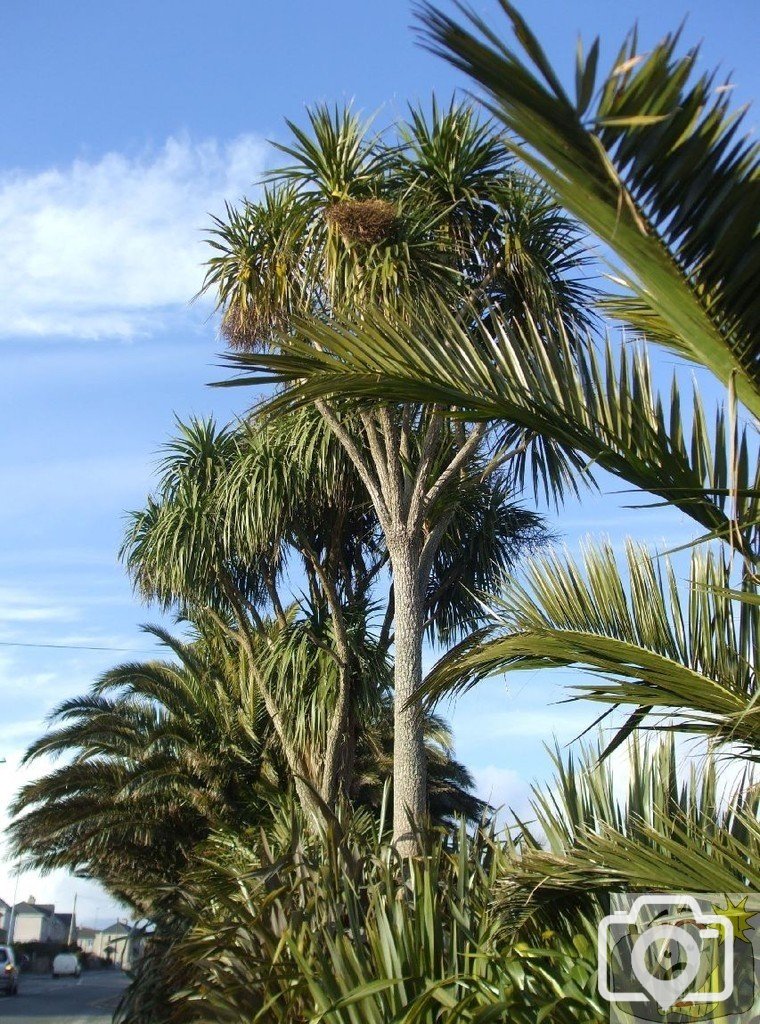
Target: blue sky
{"x": 124, "y": 125}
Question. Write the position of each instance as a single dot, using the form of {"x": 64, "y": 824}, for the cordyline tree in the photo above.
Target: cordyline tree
{"x": 433, "y": 213}
{"x": 231, "y": 508}
{"x": 652, "y": 160}
{"x": 244, "y": 519}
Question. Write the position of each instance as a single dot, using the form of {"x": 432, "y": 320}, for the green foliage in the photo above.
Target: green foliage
{"x": 653, "y": 161}
{"x": 157, "y": 755}
{"x": 427, "y": 208}
{"x": 338, "y": 930}
{"x": 664, "y": 830}
{"x": 564, "y": 394}
{"x": 688, "y": 657}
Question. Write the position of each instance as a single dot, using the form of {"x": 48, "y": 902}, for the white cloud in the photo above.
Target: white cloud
{"x": 113, "y": 247}
{"x": 21, "y": 606}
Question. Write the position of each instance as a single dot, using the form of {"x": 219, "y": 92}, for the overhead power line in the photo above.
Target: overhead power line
{"x": 76, "y": 647}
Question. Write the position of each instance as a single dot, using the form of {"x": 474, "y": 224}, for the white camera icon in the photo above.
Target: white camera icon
{"x": 672, "y": 938}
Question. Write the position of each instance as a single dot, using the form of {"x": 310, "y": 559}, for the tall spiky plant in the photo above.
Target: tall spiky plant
{"x": 433, "y": 214}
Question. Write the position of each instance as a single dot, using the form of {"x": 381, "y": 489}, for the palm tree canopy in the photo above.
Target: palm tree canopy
{"x": 652, "y": 159}
{"x": 431, "y": 207}
{"x": 158, "y": 754}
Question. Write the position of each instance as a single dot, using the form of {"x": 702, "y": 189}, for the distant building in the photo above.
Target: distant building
{"x": 38, "y": 922}
{"x": 118, "y": 942}
{"x": 86, "y": 939}
{"x": 67, "y": 923}
{"x": 5, "y": 920}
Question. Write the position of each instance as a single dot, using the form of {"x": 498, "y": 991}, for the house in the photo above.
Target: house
{"x": 120, "y": 943}
{"x": 86, "y": 939}
{"x": 32, "y": 921}
{"x": 38, "y": 922}
{"x": 5, "y": 920}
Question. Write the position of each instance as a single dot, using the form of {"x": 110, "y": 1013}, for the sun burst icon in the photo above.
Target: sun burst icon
{"x": 740, "y": 916}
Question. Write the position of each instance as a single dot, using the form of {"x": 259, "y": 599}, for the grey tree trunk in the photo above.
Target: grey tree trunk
{"x": 409, "y": 756}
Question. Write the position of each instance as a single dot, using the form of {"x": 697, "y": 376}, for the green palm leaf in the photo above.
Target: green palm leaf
{"x": 689, "y": 657}
{"x": 654, "y": 163}
{"x": 542, "y": 379}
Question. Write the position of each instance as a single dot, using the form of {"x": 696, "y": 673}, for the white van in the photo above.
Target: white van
{"x": 66, "y": 964}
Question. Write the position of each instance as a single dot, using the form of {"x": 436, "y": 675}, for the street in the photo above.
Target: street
{"x": 89, "y": 999}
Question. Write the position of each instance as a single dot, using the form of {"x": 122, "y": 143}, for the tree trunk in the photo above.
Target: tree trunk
{"x": 409, "y": 757}
{"x": 336, "y": 741}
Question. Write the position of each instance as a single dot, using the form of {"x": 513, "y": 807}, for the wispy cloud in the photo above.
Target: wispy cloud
{"x": 21, "y": 606}
{"x": 112, "y": 247}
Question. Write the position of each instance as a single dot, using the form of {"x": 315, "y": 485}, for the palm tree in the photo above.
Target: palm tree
{"x": 357, "y": 224}
{"x": 653, "y": 163}
{"x": 608, "y": 410}
{"x": 239, "y": 512}
{"x": 232, "y": 507}
{"x": 159, "y": 754}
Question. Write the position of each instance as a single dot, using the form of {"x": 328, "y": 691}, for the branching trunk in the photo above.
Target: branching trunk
{"x": 404, "y": 498}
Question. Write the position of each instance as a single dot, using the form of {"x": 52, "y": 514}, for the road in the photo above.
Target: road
{"x": 90, "y": 999}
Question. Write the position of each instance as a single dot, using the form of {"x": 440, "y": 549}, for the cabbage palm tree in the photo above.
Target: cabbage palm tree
{"x": 355, "y": 225}
{"x": 239, "y": 512}
{"x": 233, "y": 507}
{"x": 666, "y": 188}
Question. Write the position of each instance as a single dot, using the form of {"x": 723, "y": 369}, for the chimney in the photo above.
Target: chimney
{"x": 31, "y": 900}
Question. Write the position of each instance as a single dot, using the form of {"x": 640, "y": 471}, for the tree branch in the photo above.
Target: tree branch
{"x": 460, "y": 460}
{"x": 351, "y": 449}
{"x": 416, "y": 497}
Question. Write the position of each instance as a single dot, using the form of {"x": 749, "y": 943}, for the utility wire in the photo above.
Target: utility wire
{"x": 75, "y": 647}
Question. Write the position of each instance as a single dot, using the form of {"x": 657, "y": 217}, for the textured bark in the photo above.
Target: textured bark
{"x": 409, "y": 756}
{"x": 335, "y": 742}
{"x": 403, "y": 497}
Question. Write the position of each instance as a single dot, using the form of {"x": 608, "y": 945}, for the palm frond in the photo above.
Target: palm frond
{"x": 544, "y": 380}
{"x": 671, "y": 829}
{"x": 689, "y": 658}
{"x": 652, "y": 160}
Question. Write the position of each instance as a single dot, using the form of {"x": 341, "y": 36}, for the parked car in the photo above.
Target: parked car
{"x": 66, "y": 965}
{"x": 8, "y": 971}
